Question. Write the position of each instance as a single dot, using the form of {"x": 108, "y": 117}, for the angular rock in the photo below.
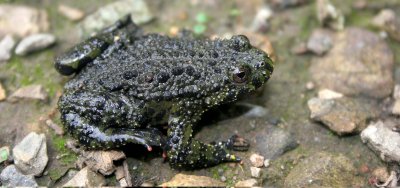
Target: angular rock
{"x": 320, "y": 41}
{"x": 384, "y": 141}
{"x": 35, "y": 42}
{"x": 86, "y": 178}
{"x": 255, "y": 172}
{"x": 272, "y": 142}
{"x": 71, "y": 13}
{"x": 388, "y": 21}
{"x": 36, "y": 92}
{"x": 30, "y": 155}
{"x": 359, "y": 63}
{"x": 11, "y": 177}
{"x": 328, "y": 15}
{"x": 2, "y": 93}
{"x": 381, "y": 174}
{"x": 6, "y": 46}
{"x": 247, "y": 183}
{"x": 102, "y": 161}
{"x": 257, "y": 160}
{"x": 342, "y": 115}
{"x": 4, "y": 153}
{"x": 183, "y": 180}
{"x": 267, "y": 163}
{"x": 324, "y": 170}
{"x": 109, "y": 14}
{"x": 22, "y": 20}
{"x": 329, "y": 94}
{"x": 57, "y": 129}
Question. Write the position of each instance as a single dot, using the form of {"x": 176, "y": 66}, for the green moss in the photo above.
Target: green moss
{"x": 360, "y": 19}
{"x": 67, "y": 156}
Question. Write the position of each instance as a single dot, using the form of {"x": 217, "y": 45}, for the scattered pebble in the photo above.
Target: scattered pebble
{"x": 110, "y": 13}
{"x": 310, "y": 85}
{"x": 342, "y": 115}
{"x": 300, "y": 49}
{"x": 22, "y": 21}
{"x": 360, "y": 4}
{"x": 329, "y": 15}
{"x": 4, "y": 154}
{"x": 30, "y": 155}
{"x": 6, "y": 46}
{"x": 329, "y": 94}
{"x": 173, "y": 31}
{"x": 35, "y": 42}
{"x": 381, "y": 174}
{"x": 267, "y": 163}
{"x": 255, "y": 172}
{"x": 364, "y": 169}
{"x": 343, "y": 69}
{"x": 30, "y": 92}
{"x": 396, "y": 107}
{"x": 73, "y": 14}
{"x": 320, "y": 41}
{"x": 287, "y": 3}
{"x": 57, "y": 129}
{"x": 183, "y": 180}
{"x": 86, "y": 178}
{"x": 223, "y": 178}
{"x": 2, "y": 93}
{"x": 260, "y": 22}
{"x": 381, "y": 139}
{"x": 257, "y": 160}
{"x": 11, "y": 177}
{"x": 388, "y": 21}
{"x": 247, "y": 183}
{"x": 147, "y": 184}
{"x": 396, "y": 91}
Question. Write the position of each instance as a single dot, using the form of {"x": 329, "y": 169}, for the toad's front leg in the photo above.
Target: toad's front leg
{"x": 184, "y": 152}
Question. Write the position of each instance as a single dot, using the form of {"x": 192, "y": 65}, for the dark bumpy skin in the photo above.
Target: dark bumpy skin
{"x": 127, "y": 83}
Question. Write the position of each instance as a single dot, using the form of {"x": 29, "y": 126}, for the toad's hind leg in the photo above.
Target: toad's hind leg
{"x": 184, "y": 152}
{"x": 93, "y": 137}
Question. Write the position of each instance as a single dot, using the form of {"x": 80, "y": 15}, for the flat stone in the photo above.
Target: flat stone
{"x": 35, "y": 92}
{"x": 2, "y": 93}
{"x": 247, "y": 183}
{"x": 272, "y": 141}
{"x": 320, "y": 41}
{"x": 324, "y": 170}
{"x": 35, "y": 42}
{"x": 329, "y": 94}
{"x": 329, "y": 15}
{"x": 11, "y": 177}
{"x": 6, "y": 46}
{"x": 30, "y": 155}
{"x": 255, "y": 172}
{"x": 109, "y": 14}
{"x": 183, "y": 180}
{"x": 342, "y": 115}
{"x": 86, "y": 178}
{"x": 22, "y": 21}
{"x": 359, "y": 63}
{"x": 257, "y": 160}
{"x": 388, "y": 21}
{"x": 71, "y": 13}
{"x": 382, "y": 140}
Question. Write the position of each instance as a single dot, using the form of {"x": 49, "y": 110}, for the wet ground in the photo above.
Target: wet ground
{"x": 285, "y": 96}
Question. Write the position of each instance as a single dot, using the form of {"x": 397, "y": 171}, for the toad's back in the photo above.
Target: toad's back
{"x": 159, "y": 67}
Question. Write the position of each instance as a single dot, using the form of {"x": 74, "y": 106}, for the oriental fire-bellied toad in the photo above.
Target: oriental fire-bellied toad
{"x": 127, "y": 83}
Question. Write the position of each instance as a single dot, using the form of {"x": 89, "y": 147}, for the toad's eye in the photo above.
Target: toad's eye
{"x": 240, "y": 75}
